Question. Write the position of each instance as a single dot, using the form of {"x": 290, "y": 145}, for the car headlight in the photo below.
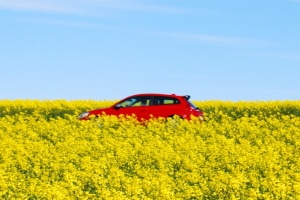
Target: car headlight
{"x": 84, "y": 115}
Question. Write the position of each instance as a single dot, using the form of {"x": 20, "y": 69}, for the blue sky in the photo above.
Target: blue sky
{"x": 108, "y": 49}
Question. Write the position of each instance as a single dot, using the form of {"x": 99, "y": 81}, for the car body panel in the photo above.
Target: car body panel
{"x": 150, "y": 105}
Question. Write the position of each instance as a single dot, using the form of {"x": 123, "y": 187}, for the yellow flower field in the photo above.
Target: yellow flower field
{"x": 244, "y": 150}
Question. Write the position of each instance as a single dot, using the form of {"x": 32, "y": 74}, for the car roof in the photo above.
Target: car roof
{"x": 160, "y": 94}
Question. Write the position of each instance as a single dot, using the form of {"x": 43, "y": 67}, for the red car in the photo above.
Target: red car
{"x": 146, "y": 106}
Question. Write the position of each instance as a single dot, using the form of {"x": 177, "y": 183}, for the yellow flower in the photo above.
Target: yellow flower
{"x": 244, "y": 150}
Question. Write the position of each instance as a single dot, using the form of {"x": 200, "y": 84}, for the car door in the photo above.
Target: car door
{"x": 137, "y": 106}
{"x": 165, "y": 106}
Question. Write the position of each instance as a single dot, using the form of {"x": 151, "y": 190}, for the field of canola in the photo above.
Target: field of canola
{"x": 244, "y": 150}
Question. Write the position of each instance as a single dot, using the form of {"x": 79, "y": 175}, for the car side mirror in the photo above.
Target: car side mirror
{"x": 117, "y": 106}
{"x": 199, "y": 109}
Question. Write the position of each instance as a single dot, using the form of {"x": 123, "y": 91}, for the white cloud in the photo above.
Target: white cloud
{"x": 84, "y": 6}
{"x": 212, "y": 39}
{"x": 272, "y": 55}
{"x": 33, "y": 5}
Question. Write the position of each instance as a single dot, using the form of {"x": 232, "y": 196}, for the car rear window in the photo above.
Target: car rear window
{"x": 192, "y": 105}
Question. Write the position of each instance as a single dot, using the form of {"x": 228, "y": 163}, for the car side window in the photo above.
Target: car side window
{"x": 126, "y": 102}
{"x": 165, "y": 101}
{"x": 136, "y": 101}
{"x": 142, "y": 101}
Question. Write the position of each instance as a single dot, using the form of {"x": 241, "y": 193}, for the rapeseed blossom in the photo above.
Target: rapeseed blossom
{"x": 244, "y": 150}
